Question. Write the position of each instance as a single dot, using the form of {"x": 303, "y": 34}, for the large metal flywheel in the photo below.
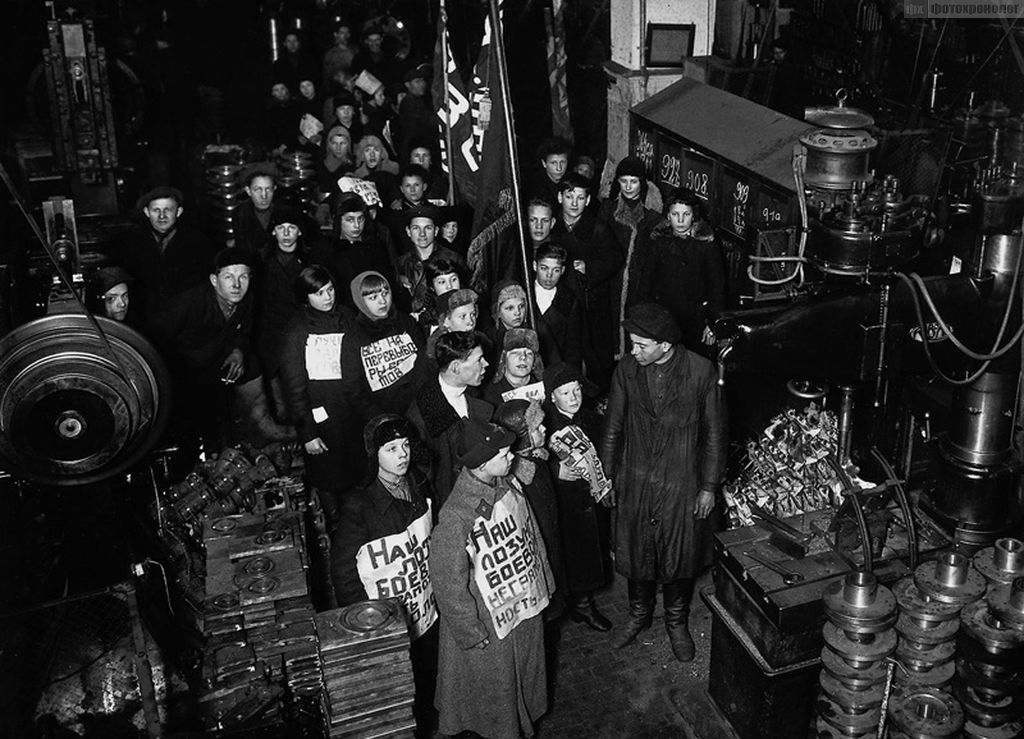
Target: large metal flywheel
{"x": 70, "y": 414}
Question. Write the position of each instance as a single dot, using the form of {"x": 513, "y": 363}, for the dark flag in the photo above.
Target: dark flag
{"x": 491, "y": 251}
{"x": 452, "y": 106}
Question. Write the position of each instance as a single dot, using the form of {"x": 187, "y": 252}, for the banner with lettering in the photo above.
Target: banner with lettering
{"x": 396, "y": 567}
{"x": 509, "y": 563}
{"x": 533, "y": 391}
{"x": 575, "y": 449}
{"x": 387, "y": 361}
{"x": 323, "y": 356}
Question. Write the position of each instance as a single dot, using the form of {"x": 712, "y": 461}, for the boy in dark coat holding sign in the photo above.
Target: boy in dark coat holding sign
{"x": 390, "y": 513}
{"x": 491, "y": 579}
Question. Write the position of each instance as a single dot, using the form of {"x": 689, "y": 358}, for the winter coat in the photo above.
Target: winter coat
{"x": 184, "y": 261}
{"x": 581, "y": 520}
{"x": 538, "y": 486}
{"x": 440, "y": 428}
{"x": 560, "y": 329}
{"x": 372, "y": 347}
{"x": 591, "y": 241}
{"x": 368, "y": 513}
{"x": 345, "y": 259}
{"x": 497, "y": 691}
{"x": 195, "y": 337}
{"x": 319, "y": 406}
{"x": 634, "y": 250}
{"x": 660, "y": 453}
{"x": 682, "y": 274}
{"x": 276, "y": 306}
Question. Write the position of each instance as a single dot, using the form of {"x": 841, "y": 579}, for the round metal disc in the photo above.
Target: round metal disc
{"x": 940, "y": 632}
{"x": 927, "y": 580}
{"x": 69, "y": 413}
{"x": 370, "y": 615}
{"x": 881, "y": 647}
{"x": 937, "y": 677}
{"x": 925, "y": 713}
{"x": 919, "y": 606}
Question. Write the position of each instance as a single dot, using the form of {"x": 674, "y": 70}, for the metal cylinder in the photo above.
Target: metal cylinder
{"x": 837, "y": 159}
{"x": 1001, "y": 253}
{"x": 981, "y": 432}
{"x": 844, "y": 431}
{"x": 860, "y": 588}
{"x": 1009, "y": 554}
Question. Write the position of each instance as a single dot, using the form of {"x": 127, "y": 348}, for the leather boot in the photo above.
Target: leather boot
{"x": 254, "y": 423}
{"x": 677, "y": 610}
{"x": 641, "y": 609}
{"x": 583, "y": 610}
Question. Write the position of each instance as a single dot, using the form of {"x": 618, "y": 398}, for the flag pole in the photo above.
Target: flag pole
{"x": 510, "y": 141}
{"x": 447, "y": 104}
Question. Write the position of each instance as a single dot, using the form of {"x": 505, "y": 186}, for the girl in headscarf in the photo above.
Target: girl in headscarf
{"x": 385, "y": 360}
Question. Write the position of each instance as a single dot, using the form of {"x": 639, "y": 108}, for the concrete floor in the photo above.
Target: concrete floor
{"x": 601, "y": 693}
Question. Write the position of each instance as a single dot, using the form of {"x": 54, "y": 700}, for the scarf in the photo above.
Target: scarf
{"x": 630, "y": 213}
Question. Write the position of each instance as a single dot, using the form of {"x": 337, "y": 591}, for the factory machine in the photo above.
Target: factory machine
{"x": 871, "y": 360}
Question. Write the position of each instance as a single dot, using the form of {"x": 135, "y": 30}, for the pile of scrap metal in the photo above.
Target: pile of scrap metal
{"x": 788, "y": 468}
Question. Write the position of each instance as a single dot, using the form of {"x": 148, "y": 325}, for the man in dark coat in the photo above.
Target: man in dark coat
{"x": 165, "y": 256}
{"x": 205, "y": 334}
{"x": 664, "y": 445}
{"x": 443, "y": 402}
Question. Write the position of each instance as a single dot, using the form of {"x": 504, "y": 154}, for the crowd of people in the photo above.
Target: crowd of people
{"x": 468, "y": 443}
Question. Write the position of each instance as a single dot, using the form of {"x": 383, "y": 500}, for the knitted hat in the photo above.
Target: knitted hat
{"x": 448, "y": 302}
{"x": 481, "y": 441}
{"x": 521, "y": 338}
{"x": 560, "y": 374}
{"x": 503, "y": 292}
{"x": 344, "y": 97}
{"x": 384, "y": 428}
{"x": 109, "y": 277}
{"x": 652, "y": 321}
{"x": 349, "y": 203}
{"x": 630, "y": 167}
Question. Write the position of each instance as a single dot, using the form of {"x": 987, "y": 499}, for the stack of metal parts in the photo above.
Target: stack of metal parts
{"x": 990, "y": 663}
{"x": 260, "y": 659}
{"x": 230, "y": 483}
{"x": 930, "y": 607}
{"x": 296, "y": 180}
{"x": 364, "y": 649}
{"x": 225, "y": 190}
{"x": 859, "y": 638}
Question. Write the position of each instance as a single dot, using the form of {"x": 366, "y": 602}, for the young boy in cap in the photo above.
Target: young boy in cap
{"x": 664, "y": 445}
{"x": 491, "y": 579}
